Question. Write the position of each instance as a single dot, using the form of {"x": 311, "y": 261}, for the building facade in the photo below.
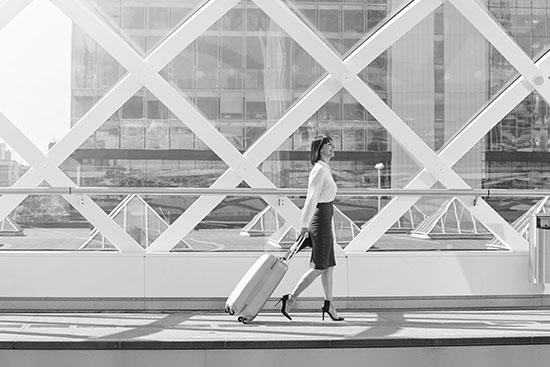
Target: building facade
{"x": 244, "y": 73}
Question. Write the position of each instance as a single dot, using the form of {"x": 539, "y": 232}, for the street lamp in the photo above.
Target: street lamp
{"x": 379, "y": 167}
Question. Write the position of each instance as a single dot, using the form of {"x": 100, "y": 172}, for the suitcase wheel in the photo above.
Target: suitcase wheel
{"x": 229, "y": 310}
{"x": 245, "y": 320}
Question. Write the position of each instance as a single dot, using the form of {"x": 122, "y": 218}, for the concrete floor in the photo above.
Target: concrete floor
{"x": 270, "y": 330}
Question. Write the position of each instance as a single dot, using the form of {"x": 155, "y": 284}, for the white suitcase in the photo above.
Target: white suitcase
{"x": 259, "y": 282}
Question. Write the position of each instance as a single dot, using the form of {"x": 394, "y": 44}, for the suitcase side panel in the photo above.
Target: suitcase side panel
{"x": 263, "y": 291}
{"x": 256, "y": 286}
{"x": 244, "y": 288}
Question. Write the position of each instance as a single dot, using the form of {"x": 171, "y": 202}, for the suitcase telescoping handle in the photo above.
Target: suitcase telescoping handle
{"x": 295, "y": 248}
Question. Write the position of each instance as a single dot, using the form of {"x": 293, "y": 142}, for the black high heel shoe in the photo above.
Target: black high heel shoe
{"x": 326, "y": 309}
{"x": 284, "y": 299}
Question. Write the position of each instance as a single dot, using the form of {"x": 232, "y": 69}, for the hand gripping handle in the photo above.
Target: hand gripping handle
{"x": 295, "y": 248}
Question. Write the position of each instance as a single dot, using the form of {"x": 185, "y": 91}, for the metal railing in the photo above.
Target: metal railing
{"x": 484, "y": 193}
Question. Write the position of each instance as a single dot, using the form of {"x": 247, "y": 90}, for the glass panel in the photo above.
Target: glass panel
{"x": 50, "y": 223}
{"x": 206, "y": 75}
{"x": 45, "y": 222}
{"x": 436, "y": 224}
{"x": 144, "y": 218}
{"x": 249, "y": 224}
{"x": 232, "y": 62}
{"x": 236, "y": 224}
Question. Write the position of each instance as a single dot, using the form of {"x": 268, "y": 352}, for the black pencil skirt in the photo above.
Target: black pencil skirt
{"x": 322, "y": 241}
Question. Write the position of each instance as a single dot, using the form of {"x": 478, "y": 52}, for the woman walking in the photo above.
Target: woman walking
{"x": 316, "y": 223}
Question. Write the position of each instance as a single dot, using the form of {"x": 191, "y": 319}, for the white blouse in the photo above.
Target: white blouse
{"x": 321, "y": 188}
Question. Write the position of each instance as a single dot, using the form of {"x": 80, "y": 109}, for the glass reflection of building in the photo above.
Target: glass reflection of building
{"x": 9, "y": 168}
{"x": 244, "y": 73}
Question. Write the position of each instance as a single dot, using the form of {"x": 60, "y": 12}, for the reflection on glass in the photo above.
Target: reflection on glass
{"x": 10, "y": 169}
{"x": 108, "y": 137}
{"x": 82, "y": 104}
{"x": 133, "y": 17}
{"x": 180, "y": 136}
{"x": 206, "y": 75}
{"x": 157, "y": 135}
{"x": 132, "y": 134}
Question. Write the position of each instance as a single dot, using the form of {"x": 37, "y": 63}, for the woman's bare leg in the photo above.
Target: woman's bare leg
{"x": 304, "y": 282}
{"x": 326, "y": 279}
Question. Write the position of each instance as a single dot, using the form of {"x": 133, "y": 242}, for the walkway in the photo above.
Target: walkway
{"x": 272, "y": 331}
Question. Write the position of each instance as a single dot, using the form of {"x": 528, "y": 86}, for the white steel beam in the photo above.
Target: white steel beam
{"x": 400, "y": 131}
{"x": 9, "y": 9}
{"x": 323, "y": 91}
{"x": 174, "y": 101}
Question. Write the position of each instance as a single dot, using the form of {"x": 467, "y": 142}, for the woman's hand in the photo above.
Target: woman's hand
{"x": 304, "y": 232}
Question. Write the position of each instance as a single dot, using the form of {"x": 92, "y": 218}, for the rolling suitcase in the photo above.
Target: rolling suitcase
{"x": 259, "y": 282}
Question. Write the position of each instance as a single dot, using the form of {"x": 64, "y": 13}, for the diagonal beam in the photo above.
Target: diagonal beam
{"x": 17, "y": 140}
{"x": 9, "y": 9}
{"x": 400, "y": 131}
{"x": 323, "y": 91}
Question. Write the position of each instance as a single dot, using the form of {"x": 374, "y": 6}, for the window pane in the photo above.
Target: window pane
{"x": 158, "y": 18}
{"x": 133, "y": 17}
{"x": 207, "y": 62}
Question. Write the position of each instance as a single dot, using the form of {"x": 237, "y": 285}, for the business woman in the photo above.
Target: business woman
{"x": 316, "y": 223}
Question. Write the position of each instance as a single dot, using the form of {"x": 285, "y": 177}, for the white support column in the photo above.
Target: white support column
{"x": 323, "y": 91}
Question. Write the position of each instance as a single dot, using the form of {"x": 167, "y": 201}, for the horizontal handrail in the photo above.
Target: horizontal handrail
{"x": 265, "y": 191}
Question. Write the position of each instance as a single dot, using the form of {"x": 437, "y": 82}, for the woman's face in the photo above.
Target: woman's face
{"x": 327, "y": 151}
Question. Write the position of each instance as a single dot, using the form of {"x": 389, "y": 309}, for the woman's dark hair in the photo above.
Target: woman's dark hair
{"x": 316, "y": 145}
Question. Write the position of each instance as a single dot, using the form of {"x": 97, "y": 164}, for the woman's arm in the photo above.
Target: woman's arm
{"x": 315, "y": 185}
